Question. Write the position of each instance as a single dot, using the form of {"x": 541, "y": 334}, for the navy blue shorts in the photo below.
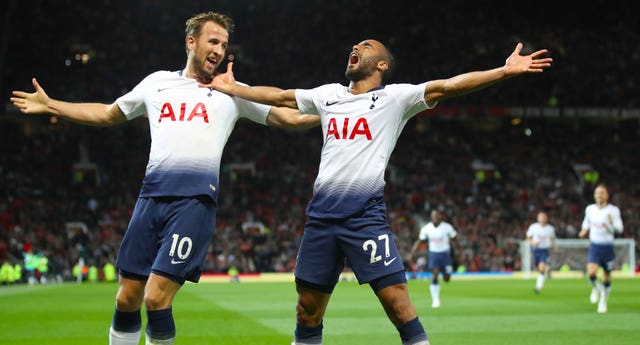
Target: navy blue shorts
{"x": 365, "y": 240}
{"x": 540, "y": 255}
{"x": 441, "y": 261}
{"x": 603, "y": 255}
{"x": 169, "y": 236}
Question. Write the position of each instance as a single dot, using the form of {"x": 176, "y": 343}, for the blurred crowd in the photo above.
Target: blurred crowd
{"x": 68, "y": 191}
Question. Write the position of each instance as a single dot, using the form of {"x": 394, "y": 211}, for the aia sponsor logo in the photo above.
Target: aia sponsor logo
{"x": 198, "y": 112}
{"x": 348, "y": 130}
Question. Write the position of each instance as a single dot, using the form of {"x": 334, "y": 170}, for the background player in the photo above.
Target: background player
{"x": 347, "y": 213}
{"x": 542, "y": 236}
{"x": 440, "y": 235}
{"x": 601, "y": 220}
{"x": 174, "y": 218}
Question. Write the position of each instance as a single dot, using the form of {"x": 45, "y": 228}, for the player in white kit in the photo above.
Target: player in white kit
{"x": 347, "y": 213}
{"x": 174, "y": 218}
{"x": 440, "y": 236}
{"x": 602, "y": 221}
{"x": 542, "y": 237}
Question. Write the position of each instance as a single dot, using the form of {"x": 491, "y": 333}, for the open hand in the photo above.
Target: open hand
{"x": 222, "y": 82}
{"x": 31, "y": 103}
{"x": 532, "y": 63}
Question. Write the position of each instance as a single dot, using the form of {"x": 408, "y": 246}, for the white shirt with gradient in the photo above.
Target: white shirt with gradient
{"x": 360, "y": 133}
{"x": 541, "y": 234}
{"x": 596, "y": 219}
{"x": 189, "y": 127}
{"x": 438, "y": 236}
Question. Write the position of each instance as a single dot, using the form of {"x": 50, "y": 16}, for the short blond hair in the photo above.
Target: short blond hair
{"x": 194, "y": 24}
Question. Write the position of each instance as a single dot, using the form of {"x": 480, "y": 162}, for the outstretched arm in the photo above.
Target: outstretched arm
{"x": 586, "y": 225}
{"x": 291, "y": 118}
{"x": 515, "y": 65}
{"x": 615, "y": 223}
{"x": 94, "y": 114}
{"x": 225, "y": 82}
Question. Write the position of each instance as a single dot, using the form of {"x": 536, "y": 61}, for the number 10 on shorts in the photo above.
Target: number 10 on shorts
{"x": 180, "y": 247}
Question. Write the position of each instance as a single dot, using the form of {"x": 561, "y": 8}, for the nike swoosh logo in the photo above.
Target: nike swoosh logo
{"x": 387, "y": 263}
{"x": 166, "y": 88}
{"x": 328, "y": 104}
{"x": 175, "y": 262}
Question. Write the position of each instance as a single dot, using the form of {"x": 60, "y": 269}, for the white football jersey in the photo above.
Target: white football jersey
{"x": 596, "y": 219}
{"x": 360, "y": 132}
{"x": 189, "y": 127}
{"x": 438, "y": 236}
{"x": 541, "y": 234}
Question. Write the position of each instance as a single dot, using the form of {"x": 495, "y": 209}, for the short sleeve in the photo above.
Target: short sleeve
{"x": 305, "y": 100}
{"x": 530, "y": 230}
{"x": 617, "y": 221}
{"x": 423, "y": 232}
{"x": 585, "y": 222}
{"x": 411, "y": 97}
{"x": 452, "y": 232}
{"x": 253, "y": 111}
{"x": 132, "y": 103}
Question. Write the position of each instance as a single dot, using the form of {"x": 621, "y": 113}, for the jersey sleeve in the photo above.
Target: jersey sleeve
{"x": 255, "y": 112}
{"x": 423, "y": 232}
{"x": 617, "y": 221}
{"x": 411, "y": 97}
{"x": 452, "y": 232}
{"x": 132, "y": 104}
{"x": 585, "y": 222}
{"x": 530, "y": 231}
{"x": 309, "y": 99}
{"x": 305, "y": 100}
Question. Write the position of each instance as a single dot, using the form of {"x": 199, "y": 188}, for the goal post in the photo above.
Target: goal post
{"x": 572, "y": 256}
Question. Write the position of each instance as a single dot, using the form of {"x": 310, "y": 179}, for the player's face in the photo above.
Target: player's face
{"x": 363, "y": 59}
{"x": 208, "y": 49}
{"x": 542, "y": 218}
{"x": 436, "y": 217}
{"x": 601, "y": 195}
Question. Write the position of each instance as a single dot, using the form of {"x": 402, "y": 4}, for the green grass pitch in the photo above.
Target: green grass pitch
{"x": 473, "y": 312}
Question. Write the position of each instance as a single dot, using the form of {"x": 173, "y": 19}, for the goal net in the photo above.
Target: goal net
{"x": 572, "y": 256}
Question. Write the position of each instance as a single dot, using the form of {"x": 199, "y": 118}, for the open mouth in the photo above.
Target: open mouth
{"x": 353, "y": 58}
{"x": 212, "y": 61}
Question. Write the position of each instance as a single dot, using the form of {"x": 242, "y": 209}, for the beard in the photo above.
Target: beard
{"x": 200, "y": 71}
{"x": 366, "y": 68}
